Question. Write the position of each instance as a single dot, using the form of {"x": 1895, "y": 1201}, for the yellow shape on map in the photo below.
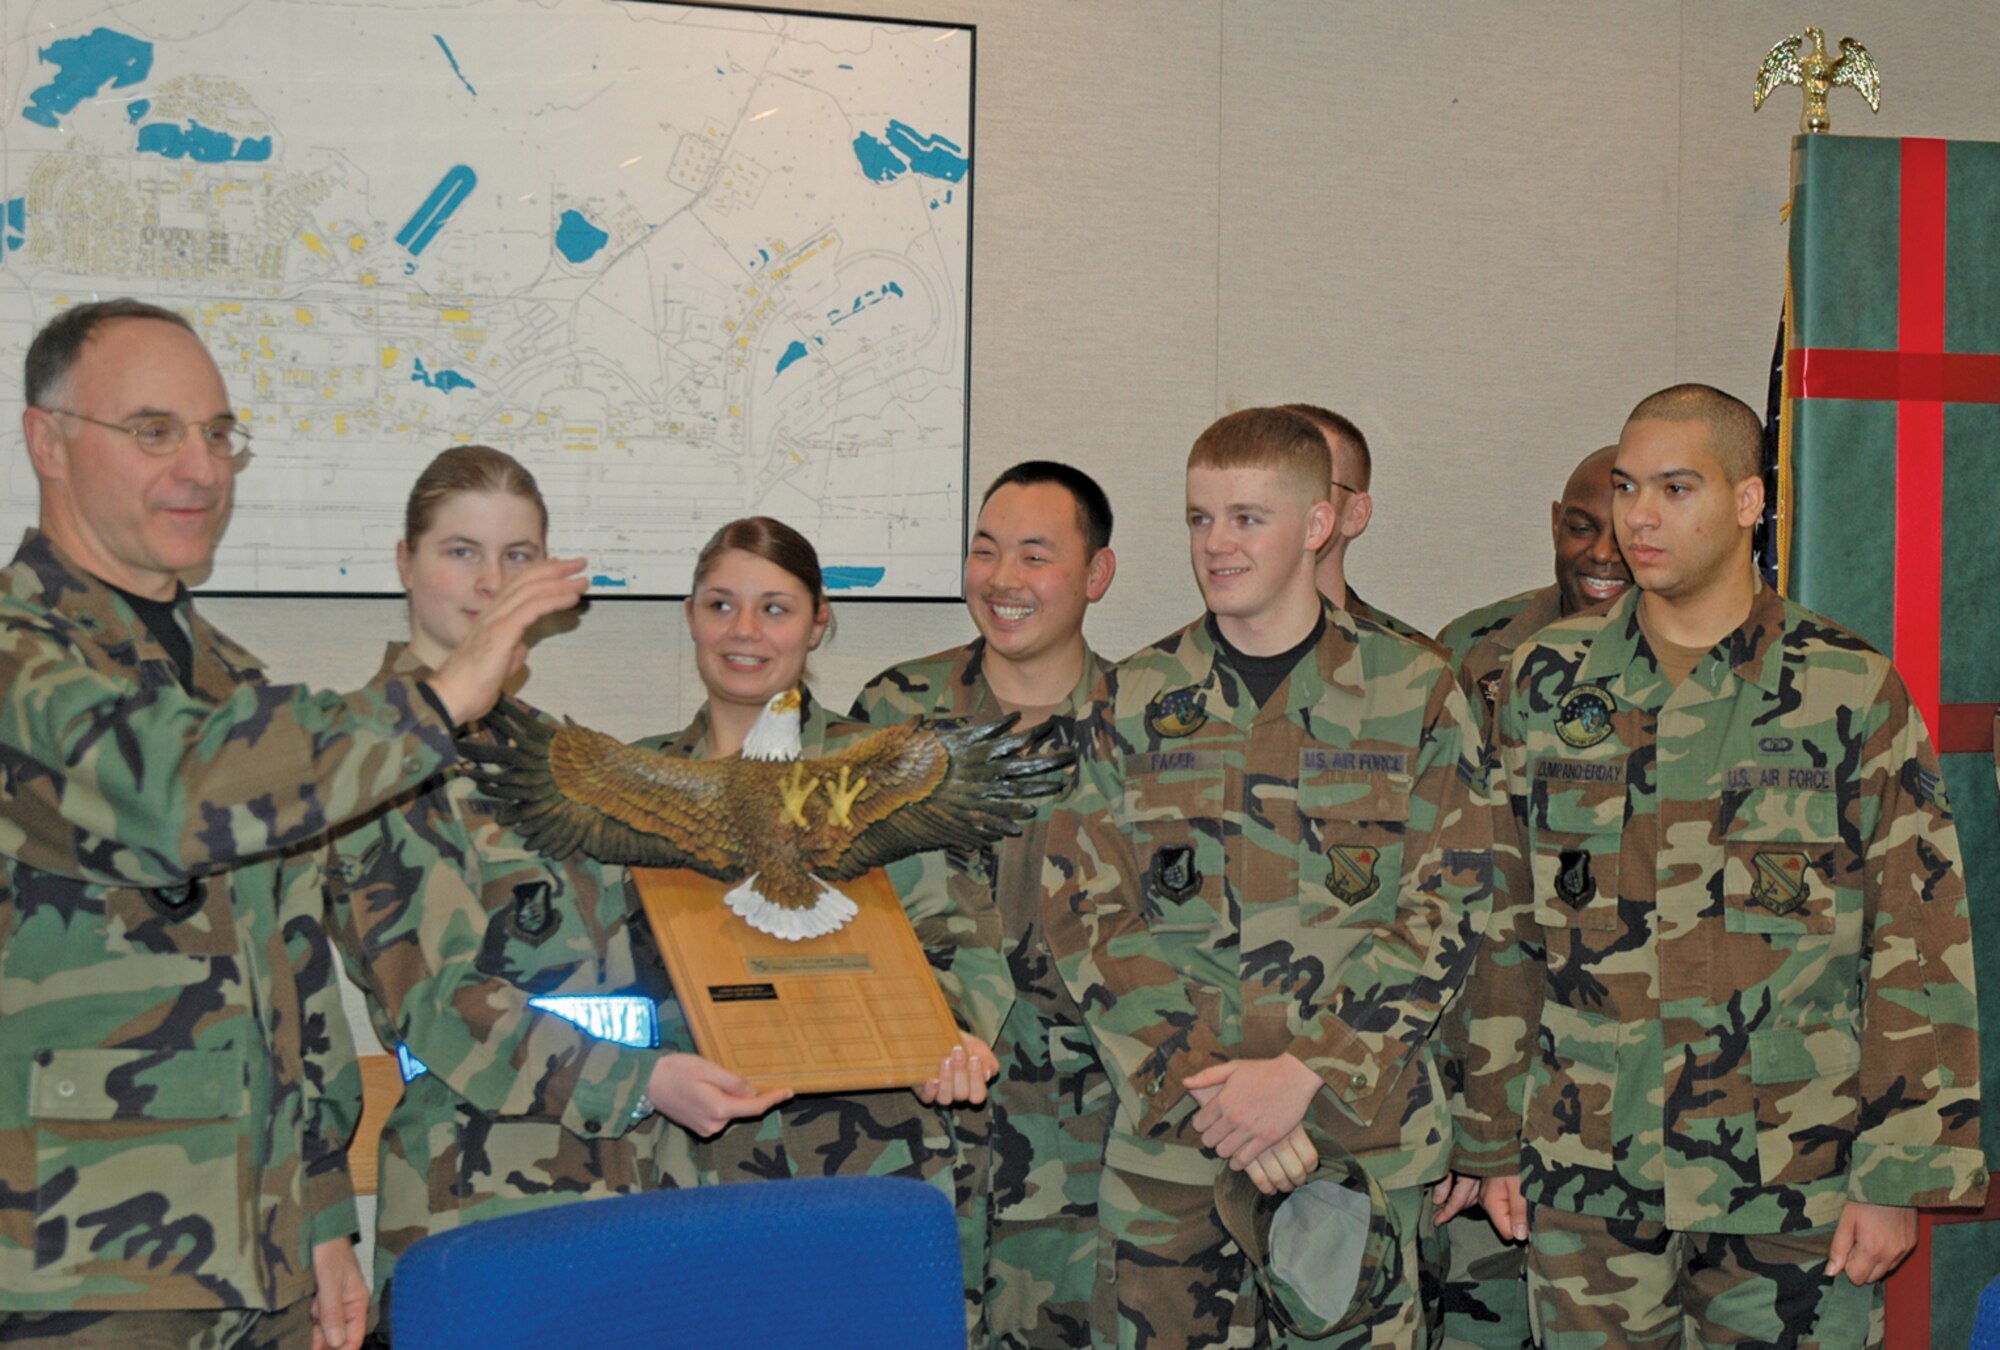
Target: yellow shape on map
{"x": 357, "y": 242}
{"x": 390, "y": 355}
{"x": 456, "y": 316}
{"x": 302, "y": 314}
{"x": 312, "y": 243}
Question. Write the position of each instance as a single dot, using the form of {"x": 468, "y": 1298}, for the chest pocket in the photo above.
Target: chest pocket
{"x": 1576, "y": 824}
{"x": 1781, "y": 863}
{"x": 1352, "y": 833}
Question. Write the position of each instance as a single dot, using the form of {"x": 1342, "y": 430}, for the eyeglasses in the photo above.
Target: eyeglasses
{"x": 1346, "y": 487}
{"x": 163, "y": 434}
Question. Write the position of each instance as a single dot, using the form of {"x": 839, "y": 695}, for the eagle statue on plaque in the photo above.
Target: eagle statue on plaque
{"x": 780, "y": 829}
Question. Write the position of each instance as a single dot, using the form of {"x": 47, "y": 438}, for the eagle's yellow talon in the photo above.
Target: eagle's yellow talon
{"x": 797, "y": 790}
{"x": 843, "y": 799}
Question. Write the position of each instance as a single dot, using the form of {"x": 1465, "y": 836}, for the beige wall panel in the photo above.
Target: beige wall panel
{"x": 1455, "y": 224}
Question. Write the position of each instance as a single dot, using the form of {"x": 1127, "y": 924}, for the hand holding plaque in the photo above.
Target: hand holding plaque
{"x": 806, "y": 972}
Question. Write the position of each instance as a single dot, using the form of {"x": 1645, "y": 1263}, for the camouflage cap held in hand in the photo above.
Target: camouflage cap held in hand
{"x": 1325, "y": 1253}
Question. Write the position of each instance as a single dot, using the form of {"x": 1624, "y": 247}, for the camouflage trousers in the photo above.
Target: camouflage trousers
{"x": 287, "y": 1328}
{"x": 1050, "y": 1109}
{"x": 1476, "y": 1287}
{"x": 1615, "y": 1283}
{"x": 1174, "y": 1277}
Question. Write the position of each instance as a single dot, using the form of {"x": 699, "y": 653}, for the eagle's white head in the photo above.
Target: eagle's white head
{"x": 775, "y": 734}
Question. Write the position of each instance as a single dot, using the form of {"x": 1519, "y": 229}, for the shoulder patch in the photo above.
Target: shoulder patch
{"x": 1583, "y": 718}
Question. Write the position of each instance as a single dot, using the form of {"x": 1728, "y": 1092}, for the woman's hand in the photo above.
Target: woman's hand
{"x": 962, "y": 1077}
{"x": 701, "y": 1096}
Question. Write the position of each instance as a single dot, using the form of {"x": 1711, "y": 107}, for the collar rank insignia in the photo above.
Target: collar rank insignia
{"x": 1575, "y": 883}
{"x": 1176, "y": 713}
{"x": 1583, "y": 718}
{"x": 1489, "y": 690}
{"x": 534, "y": 915}
{"x": 1173, "y": 875}
{"x": 1353, "y": 877}
{"x": 1778, "y": 881}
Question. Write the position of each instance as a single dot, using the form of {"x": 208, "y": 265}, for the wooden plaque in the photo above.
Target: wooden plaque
{"x": 851, "y": 1011}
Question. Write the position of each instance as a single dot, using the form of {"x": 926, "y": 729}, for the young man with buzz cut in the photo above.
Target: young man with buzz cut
{"x": 1040, "y": 557}
{"x": 1269, "y": 880}
{"x": 1724, "y": 1036}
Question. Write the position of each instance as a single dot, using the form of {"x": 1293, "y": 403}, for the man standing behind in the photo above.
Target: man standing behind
{"x": 1041, "y": 556}
{"x": 176, "y": 1082}
{"x": 1483, "y": 1294}
{"x": 1724, "y": 1025}
{"x": 1353, "y": 508}
{"x": 1589, "y": 572}
{"x": 1270, "y": 879}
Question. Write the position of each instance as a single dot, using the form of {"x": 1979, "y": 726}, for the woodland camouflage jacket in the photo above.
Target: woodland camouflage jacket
{"x": 176, "y": 1078}
{"x": 1728, "y": 983}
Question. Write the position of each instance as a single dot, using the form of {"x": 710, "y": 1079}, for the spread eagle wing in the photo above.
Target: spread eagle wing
{"x": 1856, "y": 69}
{"x": 935, "y": 785}
{"x": 569, "y": 788}
{"x": 1781, "y": 66}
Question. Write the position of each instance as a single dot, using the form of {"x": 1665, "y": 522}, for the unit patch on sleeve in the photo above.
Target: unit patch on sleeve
{"x": 1779, "y": 883}
{"x": 1353, "y": 877}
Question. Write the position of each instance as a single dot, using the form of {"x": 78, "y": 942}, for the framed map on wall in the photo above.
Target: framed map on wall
{"x": 687, "y": 264}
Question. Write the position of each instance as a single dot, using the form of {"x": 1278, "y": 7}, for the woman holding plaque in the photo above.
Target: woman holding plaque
{"x": 758, "y": 609}
{"x": 527, "y": 1035}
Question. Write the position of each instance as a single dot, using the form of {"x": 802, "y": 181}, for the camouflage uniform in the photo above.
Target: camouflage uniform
{"x": 1234, "y": 882}
{"x": 1482, "y": 642}
{"x": 1050, "y": 1101}
{"x": 876, "y": 1133}
{"x": 1479, "y": 1282}
{"x": 1382, "y": 618}
{"x": 449, "y": 924}
{"x": 176, "y": 1080}
{"x": 1729, "y": 985}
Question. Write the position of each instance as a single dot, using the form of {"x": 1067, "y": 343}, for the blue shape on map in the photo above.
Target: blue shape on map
{"x": 795, "y": 352}
{"x": 852, "y": 578}
{"x": 931, "y": 156}
{"x": 843, "y": 66}
{"x": 85, "y": 65}
{"x": 444, "y": 381}
{"x": 202, "y": 144}
{"x": 17, "y": 214}
{"x": 577, "y": 239}
{"x": 454, "y": 65}
{"x": 449, "y": 194}
{"x": 137, "y": 109}
{"x": 879, "y": 164}
{"x": 604, "y": 579}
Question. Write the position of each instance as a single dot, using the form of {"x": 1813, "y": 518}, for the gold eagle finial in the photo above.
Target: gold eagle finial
{"x": 1816, "y": 73}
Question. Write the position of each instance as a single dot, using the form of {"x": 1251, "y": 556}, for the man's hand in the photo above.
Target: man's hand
{"x": 1451, "y": 1195}
{"x": 1506, "y": 1208}
{"x": 1255, "y": 1103}
{"x": 340, "y": 1305}
{"x": 470, "y": 679}
{"x": 963, "y": 1076}
{"x": 1285, "y": 1166}
{"x": 701, "y": 1096}
{"x": 1871, "y": 1240}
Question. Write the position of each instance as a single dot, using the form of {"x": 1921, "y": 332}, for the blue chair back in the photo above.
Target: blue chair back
{"x": 1986, "y": 1321}
{"x": 829, "y": 1262}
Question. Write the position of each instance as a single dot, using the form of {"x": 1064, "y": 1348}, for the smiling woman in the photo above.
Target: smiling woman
{"x": 758, "y": 609}
{"x": 505, "y": 983}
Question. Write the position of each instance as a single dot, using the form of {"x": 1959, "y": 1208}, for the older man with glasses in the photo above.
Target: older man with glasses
{"x": 176, "y": 1081}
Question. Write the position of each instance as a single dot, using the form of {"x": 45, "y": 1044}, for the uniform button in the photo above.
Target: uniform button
{"x": 65, "y": 1089}
{"x": 45, "y": 1057}
{"x": 1361, "y": 1080}
{"x": 592, "y": 1126}
{"x": 411, "y": 764}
